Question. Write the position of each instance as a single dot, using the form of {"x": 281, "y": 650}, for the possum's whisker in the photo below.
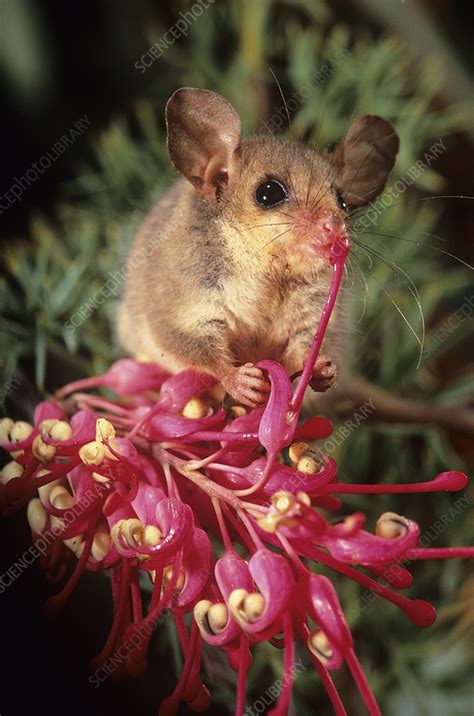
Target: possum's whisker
{"x": 259, "y": 226}
{"x": 293, "y": 187}
{"x": 310, "y": 179}
{"x": 323, "y": 191}
{"x": 411, "y": 287}
{"x": 398, "y": 269}
{"x": 275, "y": 238}
{"x": 282, "y": 96}
{"x": 349, "y": 274}
{"x": 362, "y": 228}
{"x": 284, "y": 213}
{"x": 368, "y": 256}
{"x": 363, "y": 283}
{"x": 397, "y": 307}
{"x": 320, "y": 127}
{"x": 322, "y": 194}
{"x": 418, "y": 243}
{"x": 416, "y": 201}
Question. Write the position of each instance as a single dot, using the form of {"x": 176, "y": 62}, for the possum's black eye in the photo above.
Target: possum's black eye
{"x": 340, "y": 200}
{"x": 271, "y": 193}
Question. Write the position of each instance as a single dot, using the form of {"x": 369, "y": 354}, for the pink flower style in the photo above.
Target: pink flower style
{"x": 136, "y": 485}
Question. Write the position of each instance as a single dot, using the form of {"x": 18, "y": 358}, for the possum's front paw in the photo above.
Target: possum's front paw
{"x": 324, "y": 374}
{"x": 247, "y": 385}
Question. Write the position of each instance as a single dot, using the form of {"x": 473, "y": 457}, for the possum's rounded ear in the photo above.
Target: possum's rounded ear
{"x": 203, "y": 138}
{"x": 364, "y": 159}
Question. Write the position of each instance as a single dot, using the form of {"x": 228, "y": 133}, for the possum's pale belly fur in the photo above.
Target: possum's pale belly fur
{"x": 265, "y": 337}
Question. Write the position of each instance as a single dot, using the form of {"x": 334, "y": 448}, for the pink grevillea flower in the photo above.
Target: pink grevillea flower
{"x": 219, "y": 509}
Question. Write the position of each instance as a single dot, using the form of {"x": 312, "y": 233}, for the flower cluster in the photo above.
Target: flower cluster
{"x": 140, "y": 484}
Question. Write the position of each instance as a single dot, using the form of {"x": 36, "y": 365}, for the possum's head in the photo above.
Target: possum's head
{"x": 277, "y": 200}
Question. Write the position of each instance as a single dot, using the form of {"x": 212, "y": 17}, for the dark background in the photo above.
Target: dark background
{"x": 83, "y": 56}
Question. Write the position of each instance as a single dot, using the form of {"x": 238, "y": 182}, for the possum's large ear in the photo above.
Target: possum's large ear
{"x": 203, "y": 138}
{"x": 364, "y": 159}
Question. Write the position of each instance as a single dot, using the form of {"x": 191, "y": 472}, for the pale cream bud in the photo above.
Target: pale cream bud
{"x": 217, "y": 617}
{"x": 97, "y": 477}
{"x": 237, "y": 411}
{"x": 36, "y": 515}
{"x": 92, "y": 453}
{"x": 101, "y": 544}
{"x": 309, "y": 464}
{"x": 195, "y": 409}
{"x": 246, "y": 607}
{"x": 10, "y": 470}
{"x": 319, "y": 645}
{"x": 20, "y": 431}
{"x": 56, "y": 429}
{"x": 41, "y": 451}
{"x": 168, "y": 573}
{"x": 45, "y": 490}
{"x": 297, "y": 450}
{"x": 390, "y": 525}
{"x": 283, "y": 501}
{"x": 60, "y": 498}
{"x": 210, "y": 618}
{"x": 104, "y": 430}
{"x": 6, "y": 425}
{"x": 151, "y": 536}
{"x": 304, "y": 498}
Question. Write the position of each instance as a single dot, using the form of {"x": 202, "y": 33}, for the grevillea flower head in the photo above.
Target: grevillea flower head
{"x": 219, "y": 510}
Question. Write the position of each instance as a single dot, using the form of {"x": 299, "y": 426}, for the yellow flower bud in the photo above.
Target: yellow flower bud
{"x": 100, "y": 478}
{"x": 10, "y": 470}
{"x": 42, "y": 451}
{"x": 304, "y": 498}
{"x": 246, "y": 607}
{"x": 45, "y": 490}
{"x": 210, "y": 618}
{"x": 104, "y": 430}
{"x": 283, "y": 501}
{"x": 168, "y": 573}
{"x": 20, "y": 431}
{"x": 195, "y": 409}
{"x": 151, "y": 536}
{"x": 6, "y": 425}
{"x": 237, "y": 411}
{"x": 60, "y": 498}
{"x": 36, "y": 515}
{"x": 309, "y": 464}
{"x": 101, "y": 544}
{"x": 217, "y": 617}
{"x": 390, "y": 525}
{"x": 297, "y": 450}
{"x": 56, "y": 429}
{"x": 319, "y": 645}
{"x": 92, "y": 453}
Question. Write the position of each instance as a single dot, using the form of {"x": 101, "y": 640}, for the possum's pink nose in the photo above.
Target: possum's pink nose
{"x": 328, "y": 229}
{"x": 319, "y": 233}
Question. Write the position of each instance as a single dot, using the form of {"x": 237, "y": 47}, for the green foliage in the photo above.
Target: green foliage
{"x": 50, "y": 276}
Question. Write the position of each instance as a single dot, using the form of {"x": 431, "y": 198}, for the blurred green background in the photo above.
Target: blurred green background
{"x": 408, "y": 61}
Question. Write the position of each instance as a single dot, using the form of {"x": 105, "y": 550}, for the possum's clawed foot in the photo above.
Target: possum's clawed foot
{"x": 324, "y": 374}
{"x": 247, "y": 385}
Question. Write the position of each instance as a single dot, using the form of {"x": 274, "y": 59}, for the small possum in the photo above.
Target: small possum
{"x": 231, "y": 265}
